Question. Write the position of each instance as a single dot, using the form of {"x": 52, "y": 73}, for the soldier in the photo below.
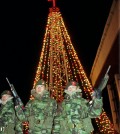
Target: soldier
{"x": 40, "y": 111}
{"x": 76, "y": 112}
{"x": 18, "y": 126}
{"x": 7, "y": 114}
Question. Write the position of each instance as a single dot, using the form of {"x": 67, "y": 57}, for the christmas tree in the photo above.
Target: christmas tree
{"x": 59, "y": 63}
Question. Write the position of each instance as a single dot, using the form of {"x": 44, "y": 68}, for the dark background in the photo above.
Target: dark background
{"x": 22, "y": 28}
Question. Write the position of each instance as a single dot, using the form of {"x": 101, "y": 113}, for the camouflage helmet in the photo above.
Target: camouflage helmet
{"x": 72, "y": 83}
{"x": 40, "y": 82}
{"x": 6, "y": 92}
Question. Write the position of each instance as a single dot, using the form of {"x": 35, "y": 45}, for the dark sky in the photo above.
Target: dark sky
{"x": 22, "y": 28}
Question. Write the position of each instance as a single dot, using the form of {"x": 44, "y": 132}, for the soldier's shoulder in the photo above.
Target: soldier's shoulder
{"x": 30, "y": 102}
{"x": 53, "y": 100}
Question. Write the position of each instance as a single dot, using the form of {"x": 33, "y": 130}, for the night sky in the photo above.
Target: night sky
{"x": 22, "y": 28}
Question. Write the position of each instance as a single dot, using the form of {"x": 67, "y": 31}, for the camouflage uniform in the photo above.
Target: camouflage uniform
{"x": 39, "y": 112}
{"x": 7, "y": 115}
{"x": 76, "y": 114}
{"x": 18, "y": 126}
